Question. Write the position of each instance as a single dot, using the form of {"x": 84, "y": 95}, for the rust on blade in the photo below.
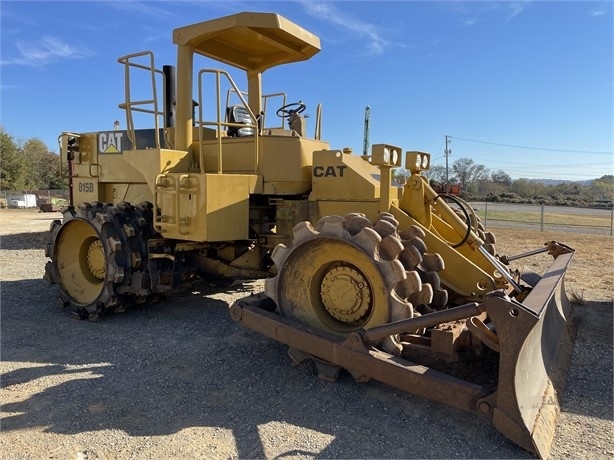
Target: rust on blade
{"x": 536, "y": 339}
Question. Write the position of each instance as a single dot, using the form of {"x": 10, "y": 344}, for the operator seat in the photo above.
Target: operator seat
{"x": 239, "y": 114}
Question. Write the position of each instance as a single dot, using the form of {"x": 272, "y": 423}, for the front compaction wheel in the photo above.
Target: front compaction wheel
{"x": 99, "y": 255}
{"x": 349, "y": 273}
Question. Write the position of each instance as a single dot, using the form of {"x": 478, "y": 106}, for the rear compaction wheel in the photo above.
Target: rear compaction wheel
{"x": 99, "y": 257}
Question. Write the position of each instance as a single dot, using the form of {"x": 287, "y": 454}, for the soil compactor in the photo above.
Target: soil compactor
{"x": 393, "y": 283}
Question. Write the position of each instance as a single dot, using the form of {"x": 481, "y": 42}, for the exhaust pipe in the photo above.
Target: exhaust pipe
{"x": 169, "y": 95}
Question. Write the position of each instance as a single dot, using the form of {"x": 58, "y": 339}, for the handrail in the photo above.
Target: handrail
{"x": 218, "y": 124}
{"x": 140, "y": 106}
{"x": 265, "y": 99}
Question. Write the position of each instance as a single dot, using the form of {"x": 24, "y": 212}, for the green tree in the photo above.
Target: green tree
{"x": 526, "y": 188}
{"x": 502, "y": 178}
{"x": 32, "y": 151}
{"x": 43, "y": 166}
{"x": 469, "y": 173}
{"x": 437, "y": 173}
{"x": 58, "y": 177}
{"x": 603, "y": 188}
{"x": 12, "y": 163}
{"x": 489, "y": 187}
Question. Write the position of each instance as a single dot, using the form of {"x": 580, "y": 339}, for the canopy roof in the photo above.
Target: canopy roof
{"x": 249, "y": 41}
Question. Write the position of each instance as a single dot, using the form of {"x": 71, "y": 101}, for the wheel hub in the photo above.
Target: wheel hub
{"x": 95, "y": 259}
{"x": 345, "y": 293}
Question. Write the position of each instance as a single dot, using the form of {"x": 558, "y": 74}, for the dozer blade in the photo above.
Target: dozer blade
{"x": 535, "y": 339}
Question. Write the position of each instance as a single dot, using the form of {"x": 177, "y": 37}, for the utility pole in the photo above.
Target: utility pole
{"x": 447, "y": 152}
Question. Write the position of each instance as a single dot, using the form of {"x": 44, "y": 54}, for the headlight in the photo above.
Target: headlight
{"x": 395, "y": 157}
{"x": 418, "y": 161}
{"x": 386, "y": 156}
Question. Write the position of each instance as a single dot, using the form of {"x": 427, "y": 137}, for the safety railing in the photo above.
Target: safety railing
{"x": 150, "y": 105}
{"x": 220, "y": 126}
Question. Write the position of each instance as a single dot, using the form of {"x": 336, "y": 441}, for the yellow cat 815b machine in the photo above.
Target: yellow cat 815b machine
{"x": 387, "y": 282}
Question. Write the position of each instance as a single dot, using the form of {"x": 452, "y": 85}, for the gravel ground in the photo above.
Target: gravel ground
{"x": 182, "y": 380}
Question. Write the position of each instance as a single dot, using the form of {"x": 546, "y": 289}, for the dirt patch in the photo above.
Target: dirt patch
{"x": 590, "y": 276}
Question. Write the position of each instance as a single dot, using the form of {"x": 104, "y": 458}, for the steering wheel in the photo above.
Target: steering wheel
{"x": 284, "y": 111}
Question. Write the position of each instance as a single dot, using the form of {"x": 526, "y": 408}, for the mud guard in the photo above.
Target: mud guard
{"x": 536, "y": 340}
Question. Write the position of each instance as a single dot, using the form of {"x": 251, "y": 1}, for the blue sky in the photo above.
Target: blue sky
{"x": 522, "y": 86}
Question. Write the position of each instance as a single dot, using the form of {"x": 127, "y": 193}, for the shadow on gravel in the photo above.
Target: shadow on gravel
{"x": 35, "y": 240}
{"x": 159, "y": 369}
{"x": 589, "y": 383}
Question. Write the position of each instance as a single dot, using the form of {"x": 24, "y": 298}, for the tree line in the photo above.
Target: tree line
{"x": 27, "y": 165}
{"x": 478, "y": 183}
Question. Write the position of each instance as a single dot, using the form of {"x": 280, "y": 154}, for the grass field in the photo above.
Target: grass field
{"x": 550, "y": 218}
{"x": 503, "y": 214}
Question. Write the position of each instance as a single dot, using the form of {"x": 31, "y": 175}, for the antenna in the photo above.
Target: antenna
{"x": 447, "y": 152}
{"x": 365, "y": 143}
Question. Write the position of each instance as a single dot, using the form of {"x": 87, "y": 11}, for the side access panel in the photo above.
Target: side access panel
{"x": 203, "y": 207}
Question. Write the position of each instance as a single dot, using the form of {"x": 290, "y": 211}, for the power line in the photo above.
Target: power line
{"x": 531, "y": 148}
{"x": 559, "y": 165}
{"x": 550, "y": 174}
